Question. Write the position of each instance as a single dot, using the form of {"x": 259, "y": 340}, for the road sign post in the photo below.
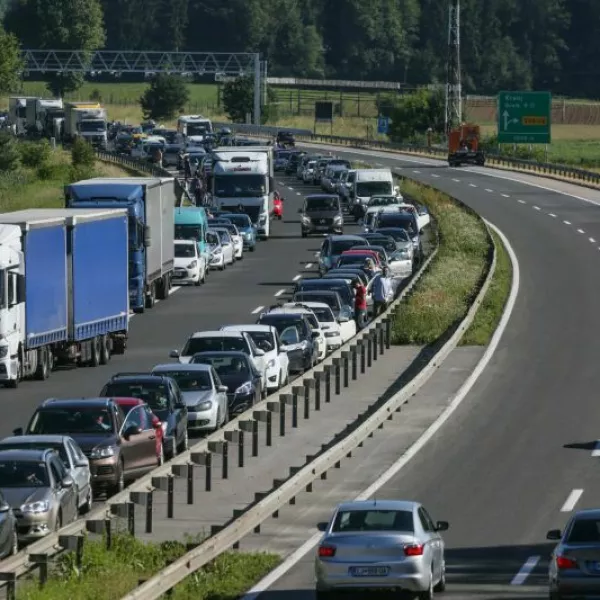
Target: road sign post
{"x": 524, "y": 117}
{"x": 383, "y": 125}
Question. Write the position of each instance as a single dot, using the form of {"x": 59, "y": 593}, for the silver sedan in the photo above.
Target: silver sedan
{"x": 383, "y": 544}
{"x": 574, "y": 570}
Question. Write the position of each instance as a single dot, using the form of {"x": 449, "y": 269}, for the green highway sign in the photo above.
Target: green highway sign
{"x": 524, "y": 117}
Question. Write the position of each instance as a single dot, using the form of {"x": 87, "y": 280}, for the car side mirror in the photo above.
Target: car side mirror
{"x": 322, "y": 526}
{"x": 315, "y": 335}
{"x": 68, "y": 482}
{"x": 259, "y": 352}
{"x": 554, "y": 534}
{"x": 174, "y": 354}
{"x": 421, "y": 232}
{"x": 82, "y": 463}
{"x": 18, "y": 431}
{"x": 180, "y": 405}
{"x": 442, "y": 526}
{"x": 223, "y": 389}
{"x": 132, "y": 431}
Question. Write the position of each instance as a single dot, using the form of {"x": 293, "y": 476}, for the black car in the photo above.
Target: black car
{"x": 297, "y": 337}
{"x": 293, "y": 162}
{"x": 286, "y": 138}
{"x": 405, "y": 221}
{"x": 163, "y": 396}
{"x": 321, "y": 213}
{"x": 348, "y": 272}
{"x": 341, "y": 286}
{"x": 237, "y": 371}
{"x": 377, "y": 239}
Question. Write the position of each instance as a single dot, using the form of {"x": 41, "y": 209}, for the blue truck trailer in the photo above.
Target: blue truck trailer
{"x": 63, "y": 290}
{"x": 150, "y": 203}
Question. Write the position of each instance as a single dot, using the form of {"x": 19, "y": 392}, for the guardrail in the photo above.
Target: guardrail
{"x": 286, "y": 491}
{"x": 582, "y": 176}
{"x": 303, "y": 395}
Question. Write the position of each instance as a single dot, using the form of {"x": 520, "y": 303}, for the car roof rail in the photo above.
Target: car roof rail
{"x": 131, "y": 374}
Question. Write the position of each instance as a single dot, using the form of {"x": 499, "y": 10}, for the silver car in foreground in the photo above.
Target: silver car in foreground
{"x": 381, "y": 544}
{"x": 574, "y": 570}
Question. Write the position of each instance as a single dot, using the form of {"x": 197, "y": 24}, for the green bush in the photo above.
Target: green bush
{"x": 81, "y": 172}
{"x": 10, "y": 157}
{"x": 82, "y": 154}
{"x": 35, "y": 154}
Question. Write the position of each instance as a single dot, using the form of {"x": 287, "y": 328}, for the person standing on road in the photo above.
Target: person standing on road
{"x": 360, "y": 304}
{"x": 382, "y": 291}
{"x": 187, "y": 167}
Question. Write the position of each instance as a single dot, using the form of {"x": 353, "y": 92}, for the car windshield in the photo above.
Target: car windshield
{"x": 353, "y": 259}
{"x": 322, "y": 203}
{"x": 399, "y": 221}
{"x": 323, "y": 314}
{"x": 225, "y": 366}
{"x": 283, "y": 155}
{"x": 585, "y": 531}
{"x": 155, "y": 395}
{"x": 281, "y": 324}
{"x": 373, "y": 520}
{"x": 373, "y": 188}
{"x": 223, "y": 235}
{"x": 339, "y": 246}
{"x": 387, "y": 243}
{"x": 398, "y": 234}
{"x": 190, "y": 381}
{"x": 212, "y": 238}
{"x": 329, "y": 299}
{"x": 327, "y": 285}
{"x": 241, "y": 221}
{"x": 382, "y": 201}
{"x": 187, "y": 232}
{"x": 185, "y": 250}
{"x": 263, "y": 340}
{"x": 233, "y": 230}
{"x": 23, "y": 474}
{"x": 57, "y": 446}
{"x": 214, "y": 344}
{"x": 77, "y": 420}
{"x": 240, "y": 186}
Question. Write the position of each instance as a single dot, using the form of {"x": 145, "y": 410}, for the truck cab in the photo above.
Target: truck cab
{"x": 191, "y": 223}
{"x": 87, "y": 120}
{"x": 191, "y": 125}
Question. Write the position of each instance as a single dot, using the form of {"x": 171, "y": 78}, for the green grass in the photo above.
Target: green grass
{"x": 444, "y": 294}
{"x": 110, "y": 574}
{"x": 490, "y": 312}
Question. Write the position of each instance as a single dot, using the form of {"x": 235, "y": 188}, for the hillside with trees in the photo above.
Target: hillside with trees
{"x": 506, "y": 44}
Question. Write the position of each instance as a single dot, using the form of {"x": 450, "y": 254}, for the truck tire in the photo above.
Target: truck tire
{"x": 163, "y": 288}
{"x": 42, "y": 371}
{"x": 104, "y": 350}
{"x": 151, "y": 297}
{"x": 95, "y": 351}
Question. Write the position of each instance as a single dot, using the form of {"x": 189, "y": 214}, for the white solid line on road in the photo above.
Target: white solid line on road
{"x": 505, "y": 196}
{"x": 317, "y": 254}
{"x": 567, "y": 222}
{"x": 488, "y": 190}
{"x": 308, "y": 265}
{"x": 522, "y": 202}
{"x": 277, "y": 294}
{"x": 257, "y": 310}
{"x": 434, "y": 175}
{"x": 580, "y": 231}
{"x": 456, "y": 180}
{"x": 596, "y": 450}
{"x": 571, "y": 501}
{"x": 297, "y": 277}
{"x": 472, "y": 185}
{"x": 293, "y": 559}
{"x": 592, "y": 240}
{"x": 290, "y": 188}
{"x": 416, "y": 171}
{"x": 525, "y": 570}
{"x": 298, "y": 194}
{"x": 536, "y": 208}
{"x": 552, "y": 215}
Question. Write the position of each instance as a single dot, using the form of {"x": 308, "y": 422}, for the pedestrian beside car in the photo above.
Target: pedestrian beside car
{"x": 360, "y": 304}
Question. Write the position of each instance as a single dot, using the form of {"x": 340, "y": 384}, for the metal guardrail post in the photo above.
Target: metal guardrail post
{"x": 337, "y": 363}
{"x": 354, "y": 351}
{"x": 369, "y": 341}
{"x": 346, "y": 362}
{"x": 222, "y": 448}
{"x": 388, "y": 333}
{"x": 380, "y": 335}
{"x": 318, "y": 379}
{"x": 11, "y": 585}
{"x": 328, "y": 369}
{"x": 41, "y": 562}
{"x": 308, "y": 383}
{"x": 362, "y": 342}
{"x": 237, "y": 437}
{"x": 264, "y": 416}
{"x": 144, "y": 499}
{"x": 373, "y": 336}
{"x": 204, "y": 459}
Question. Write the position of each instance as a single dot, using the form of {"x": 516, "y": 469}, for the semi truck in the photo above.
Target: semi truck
{"x": 40, "y": 113}
{"x": 189, "y": 125}
{"x": 17, "y": 113}
{"x": 243, "y": 179}
{"x": 87, "y": 120}
{"x": 150, "y": 203}
{"x": 464, "y": 146}
{"x": 64, "y": 290}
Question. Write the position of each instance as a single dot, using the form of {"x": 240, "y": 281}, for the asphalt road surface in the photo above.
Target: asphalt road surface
{"x": 519, "y": 455}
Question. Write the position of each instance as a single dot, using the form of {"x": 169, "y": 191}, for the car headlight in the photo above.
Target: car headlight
{"x": 244, "y": 389}
{"x": 217, "y": 252}
{"x": 206, "y": 405}
{"x": 332, "y": 334}
{"x": 271, "y": 364}
{"x": 193, "y": 264}
{"x": 263, "y": 219}
{"x": 102, "y": 452}
{"x": 36, "y": 508}
{"x": 306, "y": 219}
{"x": 338, "y": 219}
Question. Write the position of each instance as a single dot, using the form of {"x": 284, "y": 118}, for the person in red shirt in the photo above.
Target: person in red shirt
{"x": 360, "y": 303}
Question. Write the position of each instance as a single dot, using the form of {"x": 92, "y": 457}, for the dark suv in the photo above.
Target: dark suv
{"x": 286, "y": 138}
{"x": 321, "y": 213}
{"x": 118, "y": 450}
{"x": 163, "y": 396}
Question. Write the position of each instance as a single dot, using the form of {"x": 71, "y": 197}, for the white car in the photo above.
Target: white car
{"x": 190, "y": 267}
{"x": 267, "y": 339}
{"x": 400, "y": 263}
{"x": 302, "y": 309}
{"x": 236, "y": 237}
{"x": 221, "y": 252}
{"x": 309, "y": 172}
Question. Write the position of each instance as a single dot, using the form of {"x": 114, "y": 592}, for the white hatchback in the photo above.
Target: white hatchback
{"x": 189, "y": 267}
{"x": 267, "y": 339}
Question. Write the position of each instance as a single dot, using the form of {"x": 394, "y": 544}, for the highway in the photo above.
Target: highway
{"x": 230, "y": 297}
{"x": 518, "y": 456}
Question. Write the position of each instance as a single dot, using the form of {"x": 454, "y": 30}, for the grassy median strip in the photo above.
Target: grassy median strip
{"x": 110, "y": 574}
{"x": 490, "y": 312}
{"x": 444, "y": 294}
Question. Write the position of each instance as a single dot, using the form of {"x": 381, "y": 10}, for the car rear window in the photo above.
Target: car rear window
{"x": 373, "y": 520}
{"x": 214, "y": 344}
{"x": 584, "y": 531}
{"x": 339, "y": 246}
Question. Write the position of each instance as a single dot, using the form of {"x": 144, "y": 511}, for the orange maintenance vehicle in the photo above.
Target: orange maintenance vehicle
{"x": 463, "y": 146}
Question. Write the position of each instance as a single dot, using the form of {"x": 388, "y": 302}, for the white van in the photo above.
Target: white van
{"x": 368, "y": 183}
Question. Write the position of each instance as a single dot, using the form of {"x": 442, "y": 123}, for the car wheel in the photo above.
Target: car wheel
{"x": 252, "y": 248}
{"x": 428, "y": 593}
{"x": 304, "y": 234}
{"x": 440, "y": 586}
{"x": 321, "y": 595}
{"x": 198, "y": 281}
{"x": 14, "y": 542}
{"x": 88, "y": 502}
{"x": 555, "y": 595}
{"x": 222, "y": 267}
{"x": 119, "y": 484}
{"x": 185, "y": 442}
{"x": 58, "y": 522}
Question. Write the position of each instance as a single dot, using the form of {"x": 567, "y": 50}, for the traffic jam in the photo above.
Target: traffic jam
{"x": 372, "y": 240}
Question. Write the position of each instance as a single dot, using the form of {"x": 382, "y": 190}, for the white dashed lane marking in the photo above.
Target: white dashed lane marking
{"x": 505, "y": 196}
{"x": 567, "y": 222}
{"x": 488, "y": 190}
{"x": 536, "y": 208}
{"x": 592, "y": 240}
{"x": 308, "y": 265}
{"x": 297, "y": 277}
{"x": 456, "y": 180}
{"x": 257, "y": 310}
{"x": 524, "y": 572}
{"x": 279, "y": 293}
{"x": 552, "y": 215}
{"x": 472, "y": 185}
{"x": 580, "y": 231}
{"x": 522, "y": 202}
{"x": 571, "y": 501}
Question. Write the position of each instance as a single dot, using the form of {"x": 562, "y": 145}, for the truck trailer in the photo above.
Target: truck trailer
{"x": 40, "y": 111}
{"x": 64, "y": 290}
{"x": 17, "y": 112}
{"x": 87, "y": 120}
{"x": 150, "y": 203}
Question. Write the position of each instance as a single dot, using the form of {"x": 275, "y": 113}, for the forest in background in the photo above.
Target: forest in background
{"x": 506, "y": 44}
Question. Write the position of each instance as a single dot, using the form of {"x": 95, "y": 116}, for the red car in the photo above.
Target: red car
{"x": 278, "y": 206}
{"x": 153, "y": 421}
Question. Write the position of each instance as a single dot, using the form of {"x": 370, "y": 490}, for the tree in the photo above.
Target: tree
{"x": 11, "y": 62}
{"x": 58, "y": 25}
{"x": 166, "y": 96}
{"x": 238, "y": 98}
{"x": 415, "y": 113}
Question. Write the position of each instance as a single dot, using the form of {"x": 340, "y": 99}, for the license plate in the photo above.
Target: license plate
{"x": 322, "y": 228}
{"x": 178, "y": 275}
{"x": 369, "y": 571}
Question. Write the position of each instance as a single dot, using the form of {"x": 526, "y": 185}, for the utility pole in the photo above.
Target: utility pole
{"x": 453, "y": 77}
